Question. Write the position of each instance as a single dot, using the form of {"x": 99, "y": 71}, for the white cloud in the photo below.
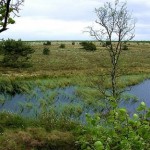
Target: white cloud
{"x": 66, "y": 19}
{"x": 30, "y": 28}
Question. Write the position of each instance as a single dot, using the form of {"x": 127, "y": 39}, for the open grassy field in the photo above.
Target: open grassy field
{"x": 73, "y": 60}
{"x": 75, "y": 63}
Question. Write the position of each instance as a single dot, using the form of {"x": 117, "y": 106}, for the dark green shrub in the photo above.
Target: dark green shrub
{"x": 73, "y": 43}
{"x": 108, "y": 43}
{"x": 89, "y": 46}
{"x": 125, "y": 47}
{"x": 46, "y": 51}
{"x": 47, "y": 43}
{"x": 16, "y": 53}
{"x": 103, "y": 44}
{"x": 1, "y": 129}
{"x": 62, "y": 46}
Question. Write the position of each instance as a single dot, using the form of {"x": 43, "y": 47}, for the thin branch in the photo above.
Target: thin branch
{"x": 8, "y": 5}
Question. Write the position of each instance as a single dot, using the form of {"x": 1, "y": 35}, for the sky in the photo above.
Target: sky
{"x": 67, "y": 19}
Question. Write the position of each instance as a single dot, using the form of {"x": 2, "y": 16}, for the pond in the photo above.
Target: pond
{"x": 141, "y": 92}
{"x": 66, "y": 101}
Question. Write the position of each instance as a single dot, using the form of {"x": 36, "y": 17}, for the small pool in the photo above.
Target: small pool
{"x": 66, "y": 101}
{"x": 140, "y": 92}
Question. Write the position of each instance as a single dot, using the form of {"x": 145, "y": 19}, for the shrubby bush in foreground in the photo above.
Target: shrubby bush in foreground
{"x": 16, "y": 53}
{"x": 115, "y": 130}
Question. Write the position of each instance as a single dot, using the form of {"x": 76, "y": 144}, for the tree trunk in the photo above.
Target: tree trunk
{"x": 113, "y": 77}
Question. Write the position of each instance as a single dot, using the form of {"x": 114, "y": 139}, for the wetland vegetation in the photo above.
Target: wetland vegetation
{"x": 69, "y": 67}
{"x": 73, "y": 95}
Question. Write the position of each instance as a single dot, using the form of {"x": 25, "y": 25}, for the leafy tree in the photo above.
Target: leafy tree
{"x": 16, "y": 53}
{"x": 7, "y": 9}
{"x": 115, "y": 24}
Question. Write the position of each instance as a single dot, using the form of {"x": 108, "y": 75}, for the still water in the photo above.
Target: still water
{"x": 141, "y": 92}
{"x": 61, "y": 99}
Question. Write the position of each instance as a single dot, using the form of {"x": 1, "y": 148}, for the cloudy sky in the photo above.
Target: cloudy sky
{"x": 67, "y": 19}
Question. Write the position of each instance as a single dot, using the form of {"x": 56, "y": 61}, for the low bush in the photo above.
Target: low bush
{"x": 89, "y": 46}
{"x": 46, "y": 51}
{"x": 125, "y": 47}
{"x": 47, "y": 43}
{"x": 73, "y": 43}
{"x": 1, "y": 129}
{"x": 108, "y": 43}
{"x": 16, "y": 53}
{"x": 62, "y": 46}
{"x": 103, "y": 44}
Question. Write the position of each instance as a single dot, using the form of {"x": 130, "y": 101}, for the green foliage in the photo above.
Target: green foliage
{"x": 108, "y": 43}
{"x": 3, "y": 14}
{"x": 12, "y": 121}
{"x": 117, "y": 130}
{"x": 47, "y": 43}
{"x": 46, "y": 51}
{"x": 53, "y": 120}
{"x": 73, "y": 43}
{"x": 8, "y": 10}
{"x": 89, "y": 46}
{"x": 103, "y": 44}
{"x": 16, "y": 53}
{"x": 125, "y": 47}
{"x": 1, "y": 129}
{"x": 62, "y": 46}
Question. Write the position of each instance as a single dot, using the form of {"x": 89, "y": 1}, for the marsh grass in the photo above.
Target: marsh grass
{"x": 72, "y": 66}
{"x": 44, "y": 133}
{"x": 74, "y": 60}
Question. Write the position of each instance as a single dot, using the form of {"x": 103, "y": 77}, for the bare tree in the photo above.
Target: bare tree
{"x": 115, "y": 23}
{"x": 8, "y": 10}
